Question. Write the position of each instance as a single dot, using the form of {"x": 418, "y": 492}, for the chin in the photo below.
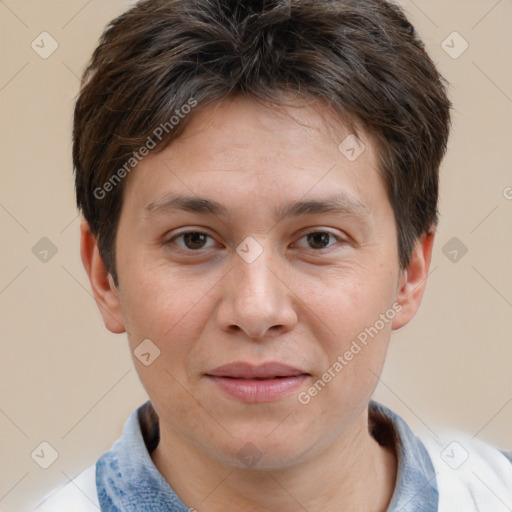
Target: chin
{"x": 260, "y": 451}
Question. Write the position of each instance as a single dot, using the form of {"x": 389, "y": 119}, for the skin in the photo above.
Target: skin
{"x": 300, "y": 303}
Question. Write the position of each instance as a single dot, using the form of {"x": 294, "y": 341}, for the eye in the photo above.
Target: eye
{"x": 319, "y": 240}
{"x": 191, "y": 240}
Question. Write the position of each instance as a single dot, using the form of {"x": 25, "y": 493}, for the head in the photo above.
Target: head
{"x": 307, "y": 139}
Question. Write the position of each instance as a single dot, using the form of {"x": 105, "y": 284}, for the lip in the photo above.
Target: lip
{"x": 257, "y": 383}
{"x": 242, "y": 370}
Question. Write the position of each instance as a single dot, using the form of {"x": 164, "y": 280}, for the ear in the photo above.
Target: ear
{"x": 413, "y": 280}
{"x": 105, "y": 292}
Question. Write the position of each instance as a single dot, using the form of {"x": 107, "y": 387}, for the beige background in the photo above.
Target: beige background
{"x": 67, "y": 381}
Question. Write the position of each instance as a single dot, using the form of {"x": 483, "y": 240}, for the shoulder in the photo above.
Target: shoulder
{"x": 471, "y": 474}
{"x": 78, "y": 495}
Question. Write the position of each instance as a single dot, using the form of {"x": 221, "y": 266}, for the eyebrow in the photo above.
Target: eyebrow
{"x": 340, "y": 203}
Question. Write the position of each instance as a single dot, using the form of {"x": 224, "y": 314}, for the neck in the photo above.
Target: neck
{"x": 354, "y": 474}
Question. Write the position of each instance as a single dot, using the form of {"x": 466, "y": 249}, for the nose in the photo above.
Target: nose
{"x": 257, "y": 300}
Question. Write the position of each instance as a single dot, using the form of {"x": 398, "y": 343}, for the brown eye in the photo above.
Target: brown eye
{"x": 194, "y": 240}
{"x": 319, "y": 240}
{"x": 191, "y": 240}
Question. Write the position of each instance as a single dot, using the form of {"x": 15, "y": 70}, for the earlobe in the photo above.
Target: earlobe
{"x": 413, "y": 280}
{"x": 104, "y": 290}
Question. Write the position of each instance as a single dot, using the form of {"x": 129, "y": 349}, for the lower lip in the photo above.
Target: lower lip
{"x": 257, "y": 391}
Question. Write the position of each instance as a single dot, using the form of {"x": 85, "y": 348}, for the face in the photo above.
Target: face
{"x": 262, "y": 264}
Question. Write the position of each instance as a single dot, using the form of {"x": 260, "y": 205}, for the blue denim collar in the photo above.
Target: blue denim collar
{"x": 416, "y": 484}
{"x": 128, "y": 481}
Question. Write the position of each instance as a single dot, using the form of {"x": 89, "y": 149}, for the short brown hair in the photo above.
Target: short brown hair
{"x": 362, "y": 57}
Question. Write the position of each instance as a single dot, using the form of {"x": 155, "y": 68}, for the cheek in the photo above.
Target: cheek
{"x": 166, "y": 308}
{"x": 358, "y": 315}
{"x": 347, "y": 302}
{"x": 171, "y": 313}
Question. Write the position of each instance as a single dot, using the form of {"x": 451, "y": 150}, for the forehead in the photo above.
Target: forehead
{"x": 242, "y": 148}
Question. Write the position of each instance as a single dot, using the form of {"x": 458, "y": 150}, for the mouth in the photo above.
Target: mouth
{"x": 257, "y": 384}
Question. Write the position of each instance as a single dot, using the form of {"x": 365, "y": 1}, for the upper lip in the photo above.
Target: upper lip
{"x": 243, "y": 370}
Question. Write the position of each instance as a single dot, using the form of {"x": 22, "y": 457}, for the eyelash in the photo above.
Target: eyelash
{"x": 186, "y": 249}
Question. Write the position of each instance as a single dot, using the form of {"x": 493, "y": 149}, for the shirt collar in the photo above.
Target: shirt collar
{"x": 416, "y": 486}
{"x": 127, "y": 479}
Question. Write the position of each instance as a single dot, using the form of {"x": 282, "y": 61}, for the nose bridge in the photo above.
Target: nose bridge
{"x": 256, "y": 300}
{"x": 255, "y": 282}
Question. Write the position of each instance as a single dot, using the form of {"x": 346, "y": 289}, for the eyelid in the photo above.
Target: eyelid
{"x": 167, "y": 240}
{"x": 339, "y": 238}
{"x": 184, "y": 230}
{"x": 320, "y": 229}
